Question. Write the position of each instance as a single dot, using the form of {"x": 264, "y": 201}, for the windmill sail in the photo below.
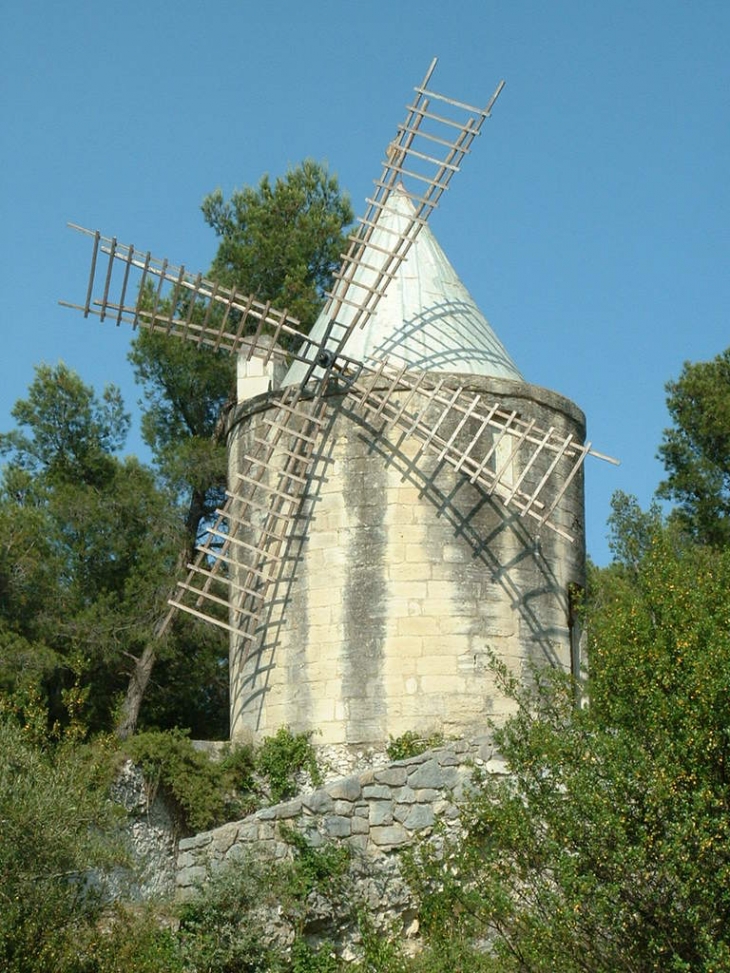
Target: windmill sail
{"x": 381, "y": 372}
{"x": 128, "y": 286}
{"x": 426, "y": 153}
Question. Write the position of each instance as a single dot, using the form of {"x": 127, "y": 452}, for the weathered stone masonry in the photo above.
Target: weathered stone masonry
{"x": 376, "y": 812}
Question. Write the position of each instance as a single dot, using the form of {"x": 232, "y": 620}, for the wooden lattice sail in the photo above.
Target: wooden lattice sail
{"x": 239, "y": 561}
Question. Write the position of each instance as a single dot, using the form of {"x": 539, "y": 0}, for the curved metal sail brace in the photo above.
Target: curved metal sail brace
{"x": 425, "y": 154}
{"x": 170, "y": 300}
{"x": 243, "y": 551}
{"x": 429, "y": 403}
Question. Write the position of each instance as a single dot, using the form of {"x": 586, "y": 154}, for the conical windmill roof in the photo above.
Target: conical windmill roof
{"x": 427, "y": 319}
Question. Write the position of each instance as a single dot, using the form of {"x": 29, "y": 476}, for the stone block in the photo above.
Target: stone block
{"x": 334, "y": 557}
{"x": 442, "y": 684}
{"x": 313, "y": 838}
{"x": 396, "y": 552}
{"x": 418, "y": 625}
{"x": 381, "y": 813}
{"x": 393, "y": 776}
{"x": 267, "y": 830}
{"x": 346, "y": 789}
{"x": 409, "y": 495}
{"x": 419, "y": 816}
{"x": 434, "y": 662}
{"x": 427, "y": 795}
{"x": 358, "y": 841}
{"x": 281, "y": 850}
{"x": 322, "y": 539}
{"x": 409, "y": 571}
{"x": 318, "y": 802}
{"x": 401, "y": 811}
{"x": 401, "y": 514}
{"x": 191, "y": 876}
{"x": 437, "y": 644}
{"x": 223, "y": 839}
{"x": 321, "y": 597}
{"x": 337, "y": 826}
{"x": 289, "y": 810}
{"x": 445, "y": 590}
{"x": 196, "y": 841}
{"x": 405, "y": 644}
{"x": 455, "y": 624}
{"x": 454, "y": 554}
{"x": 428, "y": 775}
{"x": 497, "y": 765}
{"x": 359, "y": 825}
{"x": 248, "y": 830}
{"x": 324, "y": 709}
{"x": 408, "y": 590}
{"x": 404, "y": 607}
{"x": 376, "y": 792}
{"x": 404, "y": 795}
{"x": 323, "y": 623}
{"x": 390, "y": 836}
{"x": 186, "y": 859}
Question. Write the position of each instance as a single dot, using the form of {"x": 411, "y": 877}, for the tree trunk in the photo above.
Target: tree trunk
{"x": 127, "y": 722}
{"x": 140, "y": 677}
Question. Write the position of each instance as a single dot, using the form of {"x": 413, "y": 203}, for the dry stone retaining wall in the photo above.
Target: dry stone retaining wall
{"x": 376, "y": 812}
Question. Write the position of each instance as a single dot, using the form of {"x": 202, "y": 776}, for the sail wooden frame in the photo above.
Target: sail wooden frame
{"x": 239, "y": 562}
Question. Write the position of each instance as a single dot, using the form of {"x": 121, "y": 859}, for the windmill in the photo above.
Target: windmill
{"x": 509, "y": 454}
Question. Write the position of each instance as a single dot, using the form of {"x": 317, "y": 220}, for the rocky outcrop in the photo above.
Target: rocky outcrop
{"x": 149, "y": 833}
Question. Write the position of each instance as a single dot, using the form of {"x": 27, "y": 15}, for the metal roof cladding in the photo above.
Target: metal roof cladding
{"x": 426, "y": 319}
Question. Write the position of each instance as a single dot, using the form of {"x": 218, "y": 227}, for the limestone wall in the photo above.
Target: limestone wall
{"x": 377, "y": 812}
{"x": 400, "y": 579}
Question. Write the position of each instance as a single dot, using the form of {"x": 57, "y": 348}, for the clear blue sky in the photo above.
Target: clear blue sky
{"x": 591, "y": 224}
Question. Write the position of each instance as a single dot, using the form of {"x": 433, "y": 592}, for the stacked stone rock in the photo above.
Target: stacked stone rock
{"x": 377, "y": 812}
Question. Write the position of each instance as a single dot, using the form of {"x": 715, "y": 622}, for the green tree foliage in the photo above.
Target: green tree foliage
{"x": 282, "y": 758}
{"x": 696, "y": 449}
{"x": 609, "y": 847}
{"x": 281, "y": 241}
{"x": 56, "y": 839}
{"x": 205, "y": 792}
{"x": 70, "y": 434}
{"x": 87, "y": 548}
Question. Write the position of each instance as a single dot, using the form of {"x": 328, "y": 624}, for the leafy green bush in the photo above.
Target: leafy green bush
{"x": 313, "y": 868}
{"x": 411, "y": 744}
{"x": 57, "y": 833}
{"x": 608, "y": 848}
{"x": 282, "y": 757}
{"x": 233, "y": 921}
{"x": 220, "y": 931}
{"x": 128, "y": 939}
{"x": 306, "y": 959}
{"x": 206, "y": 792}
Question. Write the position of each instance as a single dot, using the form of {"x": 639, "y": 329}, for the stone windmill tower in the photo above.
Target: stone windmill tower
{"x": 403, "y": 574}
{"x": 401, "y": 503}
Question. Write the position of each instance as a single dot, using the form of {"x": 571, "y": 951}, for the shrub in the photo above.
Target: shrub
{"x": 282, "y": 757}
{"x": 411, "y": 744}
{"x": 205, "y": 792}
{"x": 57, "y": 829}
{"x": 220, "y": 931}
